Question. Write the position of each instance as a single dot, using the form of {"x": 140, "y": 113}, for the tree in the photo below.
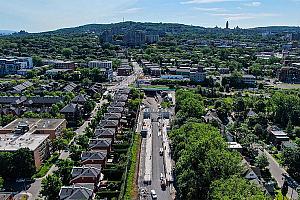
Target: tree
{"x": 235, "y": 187}
{"x": 1, "y": 183}
{"x": 262, "y": 161}
{"x": 50, "y": 187}
{"x": 67, "y": 52}
{"x": 59, "y": 144}
{"x": 22, "y": 163}
{"x": 37, "y": 61}
{"x": 201, "y": 156}
{"x": 285, "y": 188}
{"x": 291, "y": 159}
{"x": 64, "y": 170}
{"x": 89, "y": 106}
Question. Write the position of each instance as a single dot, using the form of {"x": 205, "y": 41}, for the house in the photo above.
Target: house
{"x": 86, "y": 174}
{"x": 113, "y": 124}
{"x": 6, "y": 196}
{"x": 70, "y": 87}
{"x": 72, "y": 113}
{"x": 112, "y": 116}
{"x": 79, "y": 99}
{"x": 121, "y": 98}
{"x": 117, "y": 104}
{"x": 100, "y": 144}
{"x": 106, "y": 133}
{"x": 124, "y": 71}
{"x": 235, "y": 146}
{"x": 249, "y": 79}
{"x": 156, "y": 72}
{"x": 95, "y": 89}
{"x": 252, "y": 173}
{"x": 76, "y": 193}
{"x": 251, "y": 113}
{"x": 276, "y": 135}
{"x": 94, "y": 157}
{"x": 183, "y": 72}
{"x": 115, "y": 109}
{"x": 288, "y": 144}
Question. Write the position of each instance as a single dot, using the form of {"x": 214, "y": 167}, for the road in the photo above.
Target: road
{"x": 276, "y": 171}
{"x": 36, "y": 187}
{"x": 157, "y": 160}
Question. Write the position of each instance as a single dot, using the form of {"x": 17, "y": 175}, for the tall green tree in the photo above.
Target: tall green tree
{"x": 50, "y": 187}
{"x": 235, "y": 187}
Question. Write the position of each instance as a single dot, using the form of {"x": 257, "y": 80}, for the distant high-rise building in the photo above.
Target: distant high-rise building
{"x": 227, "y": 25}
{"x": 107, "y": 36}
{"x": 133, "y": 38}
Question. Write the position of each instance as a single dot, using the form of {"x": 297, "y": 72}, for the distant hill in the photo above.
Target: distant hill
{"x": 163, "y": 28}
{"x": 155, "y": 28}
{"x": 6, "y": 32}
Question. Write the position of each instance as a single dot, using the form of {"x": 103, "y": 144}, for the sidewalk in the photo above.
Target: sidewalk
{"x": 276, "y": 171}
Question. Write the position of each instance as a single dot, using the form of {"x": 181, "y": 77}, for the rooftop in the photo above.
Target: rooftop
{"x": 13, "y": 142}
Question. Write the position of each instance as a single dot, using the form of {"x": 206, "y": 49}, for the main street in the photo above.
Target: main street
{"x": 35, "y": 188}
{"x": 158, "y": 166}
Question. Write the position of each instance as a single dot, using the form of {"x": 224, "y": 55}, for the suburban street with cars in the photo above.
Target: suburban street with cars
{"x": 158, "y": 176}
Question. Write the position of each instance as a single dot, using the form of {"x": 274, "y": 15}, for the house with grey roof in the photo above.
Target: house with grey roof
{"x": 105, "y": 133}
{"x": 94, "y": 158}
{"x": 86, "y": 175}
{"x": 112, "y": 116}
{"x": 114, "y": 124}
{"x": 72, "y": 113}
{"x": 100, "y": 145}
{"x": 76, "y": 193}
{"x": 79, "y": 99}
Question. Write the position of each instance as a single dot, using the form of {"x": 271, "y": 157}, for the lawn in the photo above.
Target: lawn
{"x": 280, "y": 197}
{"x": 46, "y": 166}
{"x": 131, "y": 190}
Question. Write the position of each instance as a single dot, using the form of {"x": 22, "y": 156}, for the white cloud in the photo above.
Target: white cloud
{"x": 131, "y": 10}
{"x": 253, "y": 4}
{"x": 205, "y": 1}
{"x": 210, "y": 9}
{"x": 243, "y": 16}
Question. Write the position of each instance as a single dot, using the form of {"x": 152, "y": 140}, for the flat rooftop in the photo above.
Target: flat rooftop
{"x": 34, "y": 124}
{"x": 13, "y": 142}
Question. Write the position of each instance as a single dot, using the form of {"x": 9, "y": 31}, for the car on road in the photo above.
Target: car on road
{"x": 161, "y": 151}
{"x": 161, "y": 176}
{"x": 153, "y": 194}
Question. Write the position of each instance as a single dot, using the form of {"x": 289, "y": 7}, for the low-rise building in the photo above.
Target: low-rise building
{"x": 100, "y": 145}
{"x": 249, "y": 79}
{"x": 33, "y": 134}
{"x": 94, "y": 158}
{"x": 76, "y": 193}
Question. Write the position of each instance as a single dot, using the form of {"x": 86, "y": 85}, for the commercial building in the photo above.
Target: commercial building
{"x": 11, "y": 65}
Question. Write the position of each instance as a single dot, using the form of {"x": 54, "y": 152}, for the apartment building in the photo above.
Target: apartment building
{"x": 11, "y": 65}
{"x": 104, "y": 66}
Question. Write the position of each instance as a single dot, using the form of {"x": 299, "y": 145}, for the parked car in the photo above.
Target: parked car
{"x": 153, "y": 194}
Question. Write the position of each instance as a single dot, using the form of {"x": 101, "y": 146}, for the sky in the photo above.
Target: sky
{"x": 45, "y": 15}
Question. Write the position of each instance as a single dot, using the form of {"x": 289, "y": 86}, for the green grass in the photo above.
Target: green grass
{"x": 279, "y": 196}
{"x": 131, "y": 188}
{"x": 46, "y": 166}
